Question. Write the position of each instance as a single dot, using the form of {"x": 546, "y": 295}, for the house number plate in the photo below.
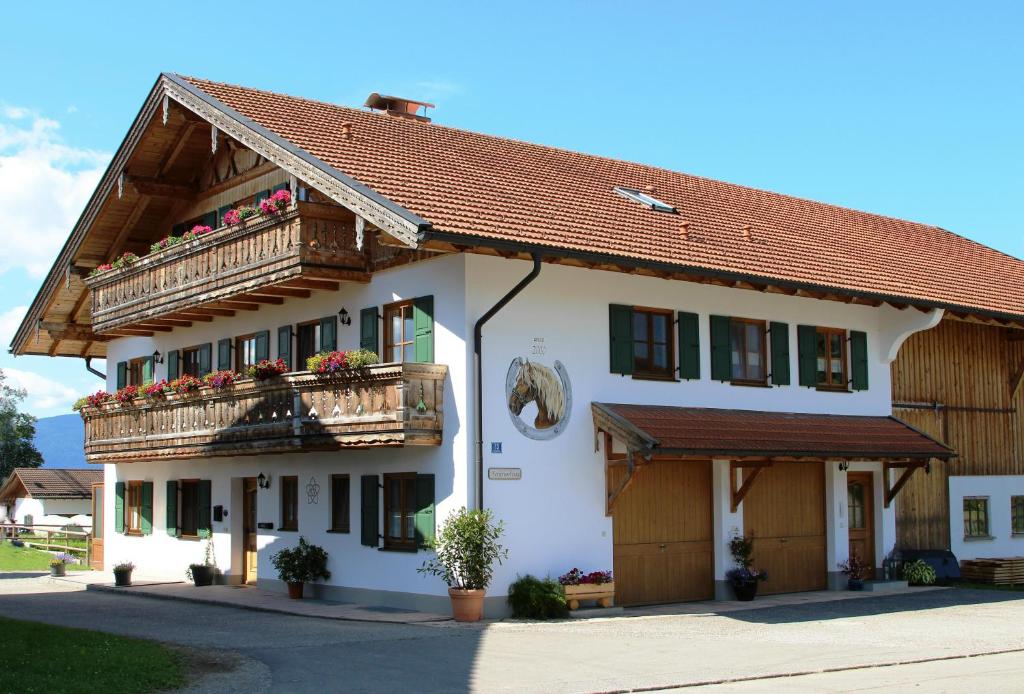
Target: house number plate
{"x": 504, "y": 473}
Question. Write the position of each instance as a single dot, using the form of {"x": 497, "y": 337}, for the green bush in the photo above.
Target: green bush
{"x": 918, "y": 573}
{"x": 534, "y": 598}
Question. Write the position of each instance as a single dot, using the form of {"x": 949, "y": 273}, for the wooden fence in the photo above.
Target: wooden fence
{"x": 49, "y": 537}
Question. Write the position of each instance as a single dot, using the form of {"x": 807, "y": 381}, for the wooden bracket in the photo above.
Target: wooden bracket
{"x": 611, "y": 496}
{"x": 908, "y": 470}
{"x": 1016, "y": 379}
{"x": 737, "y": 494}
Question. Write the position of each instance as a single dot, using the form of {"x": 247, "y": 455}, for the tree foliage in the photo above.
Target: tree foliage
{"x": 17, "y": 431}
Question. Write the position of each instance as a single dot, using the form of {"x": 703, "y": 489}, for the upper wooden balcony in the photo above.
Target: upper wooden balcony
{"x": 384, "y": 405}
{"x": 309, "y": 246}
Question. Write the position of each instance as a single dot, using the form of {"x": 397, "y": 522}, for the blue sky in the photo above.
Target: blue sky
{"x": 908, "y": 109}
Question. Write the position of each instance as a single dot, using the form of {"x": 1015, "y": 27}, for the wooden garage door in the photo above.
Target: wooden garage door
{"x": 785, "y": 511}
{"x": 662, "y": 534}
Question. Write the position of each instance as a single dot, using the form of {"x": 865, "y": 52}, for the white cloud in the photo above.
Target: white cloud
{"x": 46, "y": 184}
{"x": 43, "y": 393}
{"x": 9, "y": 322}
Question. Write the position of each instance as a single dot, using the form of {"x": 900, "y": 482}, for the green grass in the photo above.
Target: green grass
{"x": 78, "y": 660}
{"x": 55, "y": 539}
{"x": 27, "y": 559}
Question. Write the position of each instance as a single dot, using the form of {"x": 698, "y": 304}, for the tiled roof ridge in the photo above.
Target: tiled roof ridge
{"x": 197, "y": 81}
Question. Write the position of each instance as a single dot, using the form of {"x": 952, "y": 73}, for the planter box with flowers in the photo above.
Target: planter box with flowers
{"x": 265, "y": 369}
{"x": 596, "y": 585}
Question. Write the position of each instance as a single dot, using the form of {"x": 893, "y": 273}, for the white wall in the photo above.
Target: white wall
{"x": 998, "y": 489}
{"x": 53, "y": 511}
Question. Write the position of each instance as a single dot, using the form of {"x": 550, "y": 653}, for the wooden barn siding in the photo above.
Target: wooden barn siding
{"x": 957, "y": 364}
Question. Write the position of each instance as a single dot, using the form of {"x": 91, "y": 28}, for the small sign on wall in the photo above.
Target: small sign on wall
{"x": 504, "y": 473}
{"x": 496, "y": 447}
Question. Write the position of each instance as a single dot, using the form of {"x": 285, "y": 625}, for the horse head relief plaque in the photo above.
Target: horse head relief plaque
{"x": 547, "y": 388}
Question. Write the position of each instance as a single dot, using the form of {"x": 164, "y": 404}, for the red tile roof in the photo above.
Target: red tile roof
{"x": 704, "y": 431}
{"x": 53, "y": 483}
{"x": 506, "y": 190}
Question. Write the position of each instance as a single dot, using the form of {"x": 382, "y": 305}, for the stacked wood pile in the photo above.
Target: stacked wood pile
{"x": 1000, "y": 572}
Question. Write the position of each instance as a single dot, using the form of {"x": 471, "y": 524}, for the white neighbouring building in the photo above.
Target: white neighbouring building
{"x": 43, "y": 496}
{"x": 665, "y": 361}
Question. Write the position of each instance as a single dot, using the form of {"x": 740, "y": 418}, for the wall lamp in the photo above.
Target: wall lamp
{"x": 844, "y": 466}
{"x": 263, "y": 481}
{"x": 345, "y": 318}
{"x": 158, "y": 358}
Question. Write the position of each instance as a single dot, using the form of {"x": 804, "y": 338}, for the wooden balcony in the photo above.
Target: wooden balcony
{"x": 311, "y": 246}
{"x": 385, "y": 405}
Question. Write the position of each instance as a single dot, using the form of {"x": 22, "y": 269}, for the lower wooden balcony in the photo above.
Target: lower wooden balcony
{"x": 385, "y": 405}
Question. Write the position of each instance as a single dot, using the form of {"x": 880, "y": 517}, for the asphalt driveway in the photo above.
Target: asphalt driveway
{"x": 297, "y": 654}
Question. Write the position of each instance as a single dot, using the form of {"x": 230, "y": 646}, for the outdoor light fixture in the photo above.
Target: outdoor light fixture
{"x": 345, "y": 318}
{"x": 158, "y": 358}
{"x": 844, "y": 466}
{"x": 263, "y": 481}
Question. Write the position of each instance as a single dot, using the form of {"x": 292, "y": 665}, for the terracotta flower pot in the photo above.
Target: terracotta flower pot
{"x": 467, "y": 605}
{"x": 295, "y": 589}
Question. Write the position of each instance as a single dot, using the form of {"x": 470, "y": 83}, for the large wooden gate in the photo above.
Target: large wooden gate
{"x": 663, "y": 544}
{"x": 785, "y": 512}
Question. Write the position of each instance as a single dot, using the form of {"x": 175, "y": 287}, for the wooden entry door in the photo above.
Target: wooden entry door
{"x": 249, "y": 530}
{"x": 96, "y": 543}
{"x": 861, "y": 516}
{"x": 662, "y": 534}
{"x": 785, "y": 513}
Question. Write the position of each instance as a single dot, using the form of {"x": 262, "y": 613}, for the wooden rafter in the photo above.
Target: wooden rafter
{"x": 908, "y": 469}
{"x": 737, "y": 494}
{"x": 176, "y": 148}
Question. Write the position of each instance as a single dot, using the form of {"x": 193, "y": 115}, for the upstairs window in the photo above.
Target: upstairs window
{"x": 652, "y": 343}
{"x": 748, "y": 355}
{"x": 245, "y": 352}
{"x": 308, "y": 342}
{"x": 831, "y": 358}
{"x": 644, "y": 199}
{"x": 399, "y": 333}
{"x": 190, "y": 362}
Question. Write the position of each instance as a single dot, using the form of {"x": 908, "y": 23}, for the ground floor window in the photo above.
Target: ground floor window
{"x": 289, "y": 503}
{"x": 400, "y": 510}
{"x": 976, "y": 516}
{"x": 1017, "y": 514}
{"x": 339, "y": 503}
{"x": 133, "y": 507}
{"x": 189, "y": 508}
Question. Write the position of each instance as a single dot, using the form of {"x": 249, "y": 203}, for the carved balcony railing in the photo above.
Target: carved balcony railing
{"x": 385, "y": 405}
{"x": 308, "y": 246}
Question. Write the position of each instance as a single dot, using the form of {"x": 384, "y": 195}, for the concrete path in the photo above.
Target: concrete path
{"x": 298, "y": 654}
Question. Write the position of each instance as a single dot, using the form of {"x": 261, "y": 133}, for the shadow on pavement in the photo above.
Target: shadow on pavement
{"x": 7, "y": 575}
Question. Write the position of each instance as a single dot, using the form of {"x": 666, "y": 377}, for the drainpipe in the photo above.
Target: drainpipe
{"x": 88, "y": 366}
{"x": 478, "y": 413}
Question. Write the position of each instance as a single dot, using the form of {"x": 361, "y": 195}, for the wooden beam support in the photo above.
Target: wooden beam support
{"x": 232, "y": 304}
{"x": 284, "y": 291}
{"x": 152, "y": 326}
{"x": 171, "y": 322}
{"x": 738, "y": 494}
{"x": 67, "y": 331}
{"x": 190, "y": 317}
{"x": 162, "y": 189}
{"x": 172, "y": 156}
{"x": 908, "y": 470}
{"x": 208, "y": 310}
{"x": 309, "y": 283}
{"x": 259, "y": 298}
{"x": 129, "y": 332}
{"x": 1015, "y": 380}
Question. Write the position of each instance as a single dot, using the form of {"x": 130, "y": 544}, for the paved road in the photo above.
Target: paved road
{"x": 295, "y": 654}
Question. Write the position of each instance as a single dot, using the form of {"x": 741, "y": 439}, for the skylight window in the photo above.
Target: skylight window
{"x": 644, "y": 199}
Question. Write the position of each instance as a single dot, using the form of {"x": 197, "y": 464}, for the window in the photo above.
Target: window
{"x": 245, "y": 352}
{"x": 644, "y": 199}
{"x": 339, "y": 503}
{"x": 1017, "y": 515}
{"x": 289, "y": 503}
{"x": 855, "y": 505}
{"x": 831, "y": 361}
{"x": 190, "y": 362}
{"x": 400, "y": 510}
{"x": 133, "y": 507}
{"x": 399, "y": 333}
{"x": 136, "y": 372}
{"x": 308, "y": 343}
{"x": 189, "y": 523}
{"x": 747, "y": 348}
{"x": 652, "y": 343}
{"x": 976, "y": 516}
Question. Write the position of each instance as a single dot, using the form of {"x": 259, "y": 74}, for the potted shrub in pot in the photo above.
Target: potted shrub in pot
{"x": 203, "y": 574}
{"x": 744, "y": 578}
{"x": 856, "y": 571}
{"x": 466, "y": 549}
{"x": 300, "y": 565}
{"x": 123, "y": 573}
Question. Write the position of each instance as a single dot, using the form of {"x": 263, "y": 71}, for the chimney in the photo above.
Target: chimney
{"x": 397, "y": 106}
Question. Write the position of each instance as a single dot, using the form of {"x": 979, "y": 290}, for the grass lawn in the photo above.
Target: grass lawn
{"x": 27, "y": 559}
{"x": 77, "y": 660}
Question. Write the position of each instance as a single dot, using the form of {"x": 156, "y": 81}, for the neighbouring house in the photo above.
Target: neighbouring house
{"x": 49, "y": 496}
{"x": 629, "y": 365}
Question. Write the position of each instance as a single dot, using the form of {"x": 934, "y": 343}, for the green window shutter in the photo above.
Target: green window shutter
{"x": 620, "y": 335}
{"x": 423, "y": 320}
{"x": 122, "y": 374}
{"x": 261, "y": 196}
{"x": 689, "y": 345}
{"x": 284, "y": 345}
{"x": 780, "y": 353}
{"x": 721, "y": 348}
{"x": 172, "y": 365}
{"x": 279, "y": 186}
{"x": 205, "y": 358}
{"x": 119, "y": 507}
{"x": 147, "y": 370}
{"x": 807, "y": 354}
{"x": 263, "y": 345}
{"x": 147, "y": 508}
{"x": 859, "y": 359}
{"x": 369, "y": 511}
{"x": 220, "y": 215}
{"x": 172, "y": 508}
{"x": 368, "y": 329}
{"x": 203, "y": 511}
{"x": 210, "y": 219}
{"x": 329, "y": 334}
{"x": 224, "y": 353}
{"x": 424, "y": 519}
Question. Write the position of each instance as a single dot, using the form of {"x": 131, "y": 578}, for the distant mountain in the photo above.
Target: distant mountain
{"x": 60, "y": 439}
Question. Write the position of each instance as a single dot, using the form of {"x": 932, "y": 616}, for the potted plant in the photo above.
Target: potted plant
{"x": 266, "y": 369}
{"x": 123, "y": 573}
{"x": 203, "y": 574}
{"x": 220, "y": 380}
{"x": 856, "y": 571}
{"x": 57, "y": 567}
{"x": 276, "y": 203}
{"x": 596, "y": 585}
{"x": 300, "y": 565}
{"x": 466, "y": 549}
{"x": 327, "y": 363}
{"x": 918, "y": 573}
{"x": 743, "y": 578}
